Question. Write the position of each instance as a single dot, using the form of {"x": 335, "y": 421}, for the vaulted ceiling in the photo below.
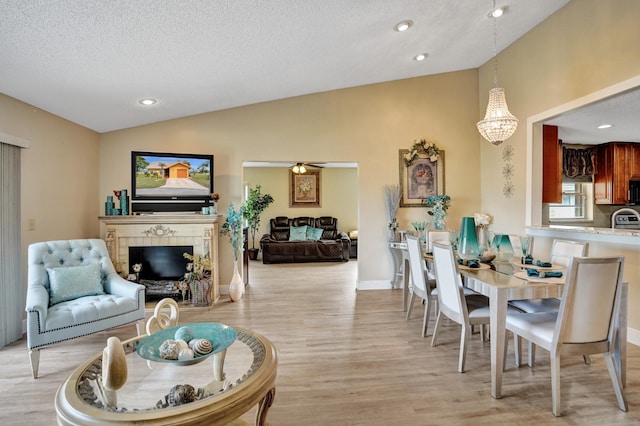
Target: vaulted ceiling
{"x": 92, "y": 61}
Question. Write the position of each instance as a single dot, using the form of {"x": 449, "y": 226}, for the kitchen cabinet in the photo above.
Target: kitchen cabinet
{"x": 617, "y": 163}
{"x": 551, "y": 165}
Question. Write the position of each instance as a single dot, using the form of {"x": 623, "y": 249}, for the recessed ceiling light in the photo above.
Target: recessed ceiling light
{"x": 403, "y": 26}
{"x": 421, "y": 57}
{"x": 605, "y": 126}
{"x": 498, "y": 12}
{"x": 147, "y": 101}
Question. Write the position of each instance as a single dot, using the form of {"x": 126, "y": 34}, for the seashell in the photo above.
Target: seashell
{"x": 181, "y": 394}
{"x": 169, "y": 349}
{"x": 185, "y": 354}
{"x": 201, "y": 346}
{"x": 182, "y": 344}
{"x": 184, "y": 333}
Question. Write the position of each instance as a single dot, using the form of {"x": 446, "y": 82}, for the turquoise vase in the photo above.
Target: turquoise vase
{"x": 468, "y": 242}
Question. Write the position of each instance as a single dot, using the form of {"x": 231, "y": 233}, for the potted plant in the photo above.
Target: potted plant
{"x": 255, "y": 204}
{"x": 197, "y": 279}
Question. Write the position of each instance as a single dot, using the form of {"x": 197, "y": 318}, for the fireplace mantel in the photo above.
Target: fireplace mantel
{"x": 201, "y": 231}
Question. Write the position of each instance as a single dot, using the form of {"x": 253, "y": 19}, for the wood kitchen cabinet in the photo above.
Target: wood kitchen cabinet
{"x": 617, "y": 163}
{"x": 551, "y": 165}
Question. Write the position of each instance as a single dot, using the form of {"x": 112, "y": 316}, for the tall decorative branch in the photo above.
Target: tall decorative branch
{"x": 392, "y": 198}
{"x": 233, "y": 228}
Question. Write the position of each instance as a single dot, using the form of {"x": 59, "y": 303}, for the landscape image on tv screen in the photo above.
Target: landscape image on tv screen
{"x": 171, "y": 176}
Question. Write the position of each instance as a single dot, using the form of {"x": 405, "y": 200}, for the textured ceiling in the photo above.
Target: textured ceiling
{"x": 581, "y": 125}
{"x": 90, "y": 61}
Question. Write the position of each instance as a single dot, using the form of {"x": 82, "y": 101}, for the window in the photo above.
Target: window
{"x": 577, "y": 201}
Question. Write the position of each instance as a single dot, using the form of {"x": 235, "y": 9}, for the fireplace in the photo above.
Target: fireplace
{"x": 162, "y": 268}
{"x": 158, "y": 234}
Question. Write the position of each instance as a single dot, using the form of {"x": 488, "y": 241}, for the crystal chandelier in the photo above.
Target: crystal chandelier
{"x": 498, "y": 124}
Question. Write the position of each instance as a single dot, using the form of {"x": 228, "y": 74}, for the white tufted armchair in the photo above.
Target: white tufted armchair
{"x": 73, "y": 290}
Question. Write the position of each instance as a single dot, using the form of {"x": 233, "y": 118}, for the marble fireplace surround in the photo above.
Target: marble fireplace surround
{"x": 199, "y": 231}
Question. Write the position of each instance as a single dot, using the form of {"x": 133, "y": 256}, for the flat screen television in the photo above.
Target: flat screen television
{"x": 170, "y": 182}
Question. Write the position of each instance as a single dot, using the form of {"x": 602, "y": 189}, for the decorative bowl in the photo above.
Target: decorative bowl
{"x": 221, "y": 337}
{"x": 487, "y": 256}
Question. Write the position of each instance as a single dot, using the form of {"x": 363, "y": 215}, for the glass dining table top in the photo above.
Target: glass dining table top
{"x": 153, "y": 385}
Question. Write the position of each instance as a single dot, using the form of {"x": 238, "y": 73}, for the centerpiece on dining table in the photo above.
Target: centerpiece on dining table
{"x": 482, "y": 222}
{"x": 468, "y": 248}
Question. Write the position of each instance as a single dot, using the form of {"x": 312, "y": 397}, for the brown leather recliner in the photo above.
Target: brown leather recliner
{"x": 333, "y": 246}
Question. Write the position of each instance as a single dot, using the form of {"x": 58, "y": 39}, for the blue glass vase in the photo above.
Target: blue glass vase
{"x": 468, "y": 242}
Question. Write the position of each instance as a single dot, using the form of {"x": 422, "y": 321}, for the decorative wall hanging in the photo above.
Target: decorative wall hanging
{"x": 507, "y": 171}
{"x": 305, "y": 189}
{"x": 421, "y": 173}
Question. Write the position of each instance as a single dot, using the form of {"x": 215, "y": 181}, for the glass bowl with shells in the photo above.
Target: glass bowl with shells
{"x": 186, "y": 344}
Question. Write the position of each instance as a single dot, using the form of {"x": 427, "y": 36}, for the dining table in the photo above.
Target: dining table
{"x": 503, "y": 283}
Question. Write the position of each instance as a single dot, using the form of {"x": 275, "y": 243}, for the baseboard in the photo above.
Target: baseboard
{"x": 633, "y": 336}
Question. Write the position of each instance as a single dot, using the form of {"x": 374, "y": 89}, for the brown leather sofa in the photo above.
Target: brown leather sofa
{"x": 333, "y": 246}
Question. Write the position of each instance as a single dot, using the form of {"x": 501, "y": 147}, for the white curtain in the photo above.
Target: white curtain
{"x": 11, "y": 303}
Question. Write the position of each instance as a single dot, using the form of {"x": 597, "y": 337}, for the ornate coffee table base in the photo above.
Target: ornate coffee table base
{"x": 77, "y": 406}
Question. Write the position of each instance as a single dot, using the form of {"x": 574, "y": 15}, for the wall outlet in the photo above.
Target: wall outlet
{"x": 31, "y": 224}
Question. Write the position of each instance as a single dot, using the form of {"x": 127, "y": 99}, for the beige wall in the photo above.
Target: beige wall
{"x": 59, "y": 177}
{"x": 365, "y": 125}
{"x": 338, "y": 197}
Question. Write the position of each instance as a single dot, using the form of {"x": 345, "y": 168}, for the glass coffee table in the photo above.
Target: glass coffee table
{"x": 222, "y": 387}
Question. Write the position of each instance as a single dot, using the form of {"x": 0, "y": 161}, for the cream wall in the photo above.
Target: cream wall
{"x": 585, "y": 47}
{"x": 366, "y": 125}
{"x": 59, "y": 178}
{"x": 338, "y": 196}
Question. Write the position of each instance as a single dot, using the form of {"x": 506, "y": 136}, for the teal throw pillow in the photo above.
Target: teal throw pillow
{"x": 314, "y": 233}
{"x": 71, "y": 282}
{"x": 298, "y": 233}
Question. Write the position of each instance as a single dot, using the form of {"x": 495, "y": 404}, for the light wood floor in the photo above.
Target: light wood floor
{"x": 350, "y": 358}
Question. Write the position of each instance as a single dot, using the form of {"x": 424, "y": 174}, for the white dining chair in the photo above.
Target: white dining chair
{"x": 421, "y": 287}
{"x": 562, "y": 251}
{"x": 585, "y": 322}
{"x": 466, "y": 310}
{"x": 437, "y": 236}
{"x": 433, "y": 237}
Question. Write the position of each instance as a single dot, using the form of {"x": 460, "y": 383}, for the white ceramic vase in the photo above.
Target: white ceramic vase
{"x": 236, "y": 286}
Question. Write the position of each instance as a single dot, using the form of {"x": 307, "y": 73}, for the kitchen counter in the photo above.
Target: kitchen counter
{"x": 587, "y": 233}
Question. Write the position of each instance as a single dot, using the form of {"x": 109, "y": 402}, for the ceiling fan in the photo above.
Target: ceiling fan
{"x": 299, "y": 168}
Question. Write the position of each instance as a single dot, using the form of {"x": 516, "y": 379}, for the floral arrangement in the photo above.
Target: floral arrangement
{"x": 232, "y": 227}
{"x": 422, "y": 147}
{"x": 439, "y": 205}
{"x": 198, "y": 268}
{"x": 482, "y": 222}
{"x": 482, "y": 219}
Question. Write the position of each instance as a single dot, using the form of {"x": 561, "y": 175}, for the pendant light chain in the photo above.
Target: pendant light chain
{"x": 495, "y": 48}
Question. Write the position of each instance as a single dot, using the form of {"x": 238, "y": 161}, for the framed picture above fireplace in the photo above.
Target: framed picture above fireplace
{"x": 170, "y": 181}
